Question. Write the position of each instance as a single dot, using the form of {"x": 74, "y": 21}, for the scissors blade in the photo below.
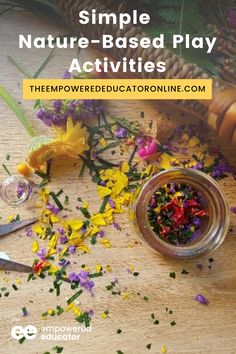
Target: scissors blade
{"x": 14, "y": 266}
{"x": 13, "y": 226}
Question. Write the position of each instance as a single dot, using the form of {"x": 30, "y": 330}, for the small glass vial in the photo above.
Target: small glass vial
{"x": 16, "y": 191}
{"x": 211, "y": 235}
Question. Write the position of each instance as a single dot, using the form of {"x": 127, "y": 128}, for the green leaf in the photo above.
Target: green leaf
{"x": 19, "y": 66}
{"x": 44, "y": 64}
{"x": 169, "y": 14}
{"x": 74, "y": 297}
{"x": 11, "y": 102}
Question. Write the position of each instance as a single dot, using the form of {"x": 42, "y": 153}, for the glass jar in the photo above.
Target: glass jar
{"x": 16, "y": 191}
{"x": 211, "y": 235}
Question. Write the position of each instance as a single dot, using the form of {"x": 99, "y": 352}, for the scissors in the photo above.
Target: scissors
{"x": 7, "y": 229}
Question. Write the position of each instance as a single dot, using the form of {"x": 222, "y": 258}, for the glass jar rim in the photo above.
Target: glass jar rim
{"x": 216, "y": 232}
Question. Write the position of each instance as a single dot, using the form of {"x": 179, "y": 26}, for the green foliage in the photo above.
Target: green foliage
{"x": 15, "y": 107}
{"x": 181, "y": 17}
{"x": 45, "y": 8}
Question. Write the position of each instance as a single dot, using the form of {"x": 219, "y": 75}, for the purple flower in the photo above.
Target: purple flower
{"x": 129, "y": 270}
{"x": 55, "y": 210}
{"x": 120, "y": 133}
{"x": 198, "y": 166}
{"x": 83, "y": 279}
{"x": 195, "y": 235}
{"x": 63, "y": 262}
{"x": 28, "y": 232}
{"x": 67, "y": 75}
{"x": 202, "y": 299}
{"x": 73, "y": 277}
{"x": 116, "y": 226}
{"x": 140, "y": 139}
{"x": 20, "y": 190}
{"x": 111, "y": 203}
{"x": 40, "y": 113}
{"x": 63, "y": 239}
{"x": 101, "y": 233}
{"x": 61, "y": 231}
{"x": 71, "y": 249}
{"x": 233, "y": 209}
{"x": 197, "y": 222}
{"x": 91, "y": 313}
{"x": 83, "y": 275}
{"x": 42, "y": 253}
{"x": 221, "y": 169}
{"x": 89, "y": 285}
{"x": 57, "y": 105}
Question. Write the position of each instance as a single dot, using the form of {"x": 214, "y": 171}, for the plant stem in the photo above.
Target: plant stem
{"x": 12, "y": 103}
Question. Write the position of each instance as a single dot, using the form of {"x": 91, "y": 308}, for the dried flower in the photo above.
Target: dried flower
{"x": 233, "y": 209}
{"x": 71, "y": 143}
{"x": 120, "y": 133}
{"x": 148, "y": 148}
{"x": 202, "y": 299}
{"x": 24, "y": 169}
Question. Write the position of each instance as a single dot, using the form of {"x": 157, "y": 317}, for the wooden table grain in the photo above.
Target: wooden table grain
{"x": 199, "y": 329}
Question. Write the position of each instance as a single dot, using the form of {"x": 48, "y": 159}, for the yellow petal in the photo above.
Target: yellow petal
{"x": 125, "y": 167}
{"x": 98, "y": 219}
{"x": 106, "y": 243}
{"x": 103, "y": 142}
{"x": 53, "y": 242}
{"x": 103, "y": 191}
{"x": 75, "y": 224}
{"x": 98, "y": 268}
{"x": 54, "y": 219}
{"x": 61, "y": 254}
{"x": 165, "y": 161}
{"x": 84, "y": 248}
{"x": 35, "y": 247}
{"x": 194, "y": 141}
{"x": 53, "y": 269}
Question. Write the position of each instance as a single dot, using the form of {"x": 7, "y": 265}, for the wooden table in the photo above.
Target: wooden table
{"x": 199, "y": 329}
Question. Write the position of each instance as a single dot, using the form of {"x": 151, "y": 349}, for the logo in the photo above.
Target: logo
{"x": 28, "y": 332}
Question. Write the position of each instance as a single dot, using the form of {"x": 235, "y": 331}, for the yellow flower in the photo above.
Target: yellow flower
{"x": 24, "y": 169}
{"x": 70, "y": 143}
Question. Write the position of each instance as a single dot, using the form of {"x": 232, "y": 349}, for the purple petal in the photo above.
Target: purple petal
{"x": 202, "y": 299}
{"x": 233, "y": 209}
